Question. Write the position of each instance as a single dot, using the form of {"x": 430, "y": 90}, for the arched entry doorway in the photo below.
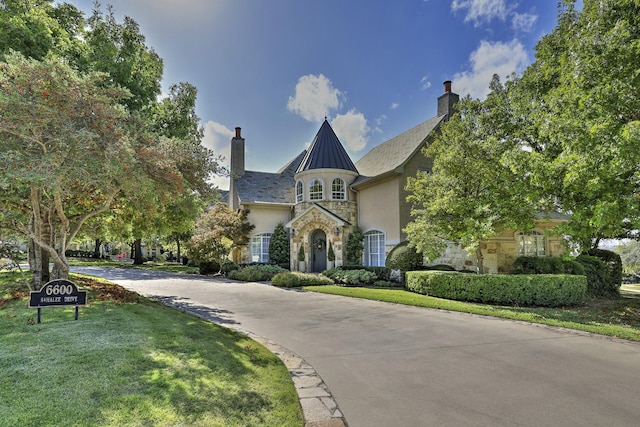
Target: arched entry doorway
{"x": 318, "y": 251}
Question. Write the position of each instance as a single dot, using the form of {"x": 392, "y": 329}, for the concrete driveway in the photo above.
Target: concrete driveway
{"x": 392, "y": 365}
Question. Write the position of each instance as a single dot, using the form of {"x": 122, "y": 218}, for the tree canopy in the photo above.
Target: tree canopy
{"x": 472, "y": 192}
{"x": 564, "y": 137}
{"x": 84, "y": 133}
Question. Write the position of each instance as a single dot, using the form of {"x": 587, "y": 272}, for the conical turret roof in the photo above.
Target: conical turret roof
{"x": 326, "y": 152}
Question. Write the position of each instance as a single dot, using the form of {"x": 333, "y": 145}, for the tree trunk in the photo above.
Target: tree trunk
{"x": 35, "y": 255}
{"x": 96, "y": 248}
{"x": 137, "y": 252}
{"x": 479, "y": 260}
{"x": 178, "y": 254}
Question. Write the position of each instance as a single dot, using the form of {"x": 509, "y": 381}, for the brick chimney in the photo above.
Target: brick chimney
{"x": 447, "y": 101}
{"x": 236, "y": 169}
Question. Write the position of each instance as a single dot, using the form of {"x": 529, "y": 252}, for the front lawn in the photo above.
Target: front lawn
{"x": 616, "y": 317}
{"x": 129, "y": 361}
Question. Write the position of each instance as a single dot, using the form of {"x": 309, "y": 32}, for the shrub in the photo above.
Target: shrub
{"x": 546, "y": 265}
{"x": 228, "y": 266}
{"x": 613, "y": 278}
{"x": 256, "y": 273}
{"x": 360, "y": 277}
{"x": 208, "y": 267}
{"x": 535, "y": 290}
{"x": 354, "y": 246}
{"x": 382, "y": 273}
{"x": 331, "y": 256}
{"x": 438, "y": 267}
{"x": 279, "y": 246}
{"x": 404, "y": 257}
{"x": 596, "y": 272}
{"x": 288, "y": 279}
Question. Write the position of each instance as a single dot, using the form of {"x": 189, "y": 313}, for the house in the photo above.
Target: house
{"x": 321, "y": 195}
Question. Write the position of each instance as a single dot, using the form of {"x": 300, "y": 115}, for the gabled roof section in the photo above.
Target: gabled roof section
{"x": 326, "y": 152}
{"x": 395, "y": 152}
{"x": 265, "y": 187}
{"x": 340, "y": 222}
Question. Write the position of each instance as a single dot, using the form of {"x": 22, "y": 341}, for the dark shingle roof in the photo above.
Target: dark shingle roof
{"x": 326, "y": 152}
{"x": 269, "y": 187}
{"x": 395, "y": 152}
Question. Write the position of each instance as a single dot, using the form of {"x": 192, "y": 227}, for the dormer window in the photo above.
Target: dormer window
{"x": 337, "y": 189}
{"x": 299, "y": 192}
{"x": 315, "y": 190}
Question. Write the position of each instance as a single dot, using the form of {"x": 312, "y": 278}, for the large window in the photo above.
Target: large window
{"x": 531, "y": 244}
{"x": 299, "y": 192}
{"x": 337, "y": 189}
{"x": 260, "y": 247}
{"x": 374, "y": 248}
{"x": 315, "y": 190}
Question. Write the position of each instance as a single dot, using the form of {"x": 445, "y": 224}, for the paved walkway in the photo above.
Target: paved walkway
{"x": 384, "y": 365}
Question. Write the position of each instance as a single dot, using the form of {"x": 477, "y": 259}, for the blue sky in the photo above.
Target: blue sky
{"x": 276, "y": 68}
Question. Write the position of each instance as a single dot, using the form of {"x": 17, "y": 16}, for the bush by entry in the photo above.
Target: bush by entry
{"x": 547, "y": 290}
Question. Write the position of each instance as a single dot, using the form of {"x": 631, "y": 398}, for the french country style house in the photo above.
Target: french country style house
{"x": 321, "y": 195}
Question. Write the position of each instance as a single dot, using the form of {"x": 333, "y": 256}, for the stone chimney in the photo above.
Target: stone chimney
{"x": 236, "y": 169}
{"x": 237, "y": 154}
{"x": 447, "y": 101}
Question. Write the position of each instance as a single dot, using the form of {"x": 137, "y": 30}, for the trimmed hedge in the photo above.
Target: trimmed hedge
{"x": 382, "y": 273}
{"x": 256, "y": 273}
{"x": 546, "y": 265}
{"x": 296, "y": 279}
{"x": 532, "y": 290}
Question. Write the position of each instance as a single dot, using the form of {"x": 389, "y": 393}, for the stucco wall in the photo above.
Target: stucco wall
{"x": 379, "y": 210}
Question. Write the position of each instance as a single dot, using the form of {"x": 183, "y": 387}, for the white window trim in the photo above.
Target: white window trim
{"x": 312, "y": 193}
{"x": 380, "y": 254}
{"x": 262, "y": 241}
{"x": 300, "y": 196}
{"x": 539, "y": 246}
{"x": 343, "y": 191}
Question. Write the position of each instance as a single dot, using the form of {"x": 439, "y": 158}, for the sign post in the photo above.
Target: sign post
{"x": 58, "y": 293}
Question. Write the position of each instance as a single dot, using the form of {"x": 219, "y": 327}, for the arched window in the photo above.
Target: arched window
{"x": 260, "y": 247}
{"x": 374, "y": 245}
{"x": 315, "y": 190}
{"x": 337, "y": 189}
{"x": 299, "y": 192}
{"x": 531, "y": 243}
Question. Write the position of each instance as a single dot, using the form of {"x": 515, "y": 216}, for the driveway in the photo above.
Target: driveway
{"x": 393, "y": 365}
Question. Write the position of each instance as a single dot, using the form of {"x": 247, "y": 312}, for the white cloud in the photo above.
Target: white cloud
{"x": 425, "y": 83}
{"x": 489, "y": 59}
{"x": 315, "y": 97}
{"x": 217, "y": 138}
{"x": 352, "y": 130}
{"x": 481, "y": 10}
{"x": 523, "y": 22}
{"x": 394, "y": 105}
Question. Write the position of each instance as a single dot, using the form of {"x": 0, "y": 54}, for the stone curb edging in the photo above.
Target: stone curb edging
{"x": 319, "y": 409}
{"x": 318, "y": 406}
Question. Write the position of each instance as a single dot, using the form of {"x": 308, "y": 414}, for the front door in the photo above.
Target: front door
{"x": 319, "y": 251}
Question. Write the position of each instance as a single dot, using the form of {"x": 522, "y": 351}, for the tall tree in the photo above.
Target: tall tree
{"x": 218, "y": 232}
{"x": 579, "y": 109}
{"x": 472, "y": 192}
{"x": 38, "y": 27}
{"x": 120, "y": 50}
{"x": 65, "y": 151}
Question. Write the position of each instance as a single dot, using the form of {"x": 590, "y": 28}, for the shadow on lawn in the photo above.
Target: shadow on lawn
{"x": 221, "y": 317}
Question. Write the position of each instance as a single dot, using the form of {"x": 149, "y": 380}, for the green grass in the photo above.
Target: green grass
{"x": 617, "y": 317}
{"x": 129, "y": 361}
